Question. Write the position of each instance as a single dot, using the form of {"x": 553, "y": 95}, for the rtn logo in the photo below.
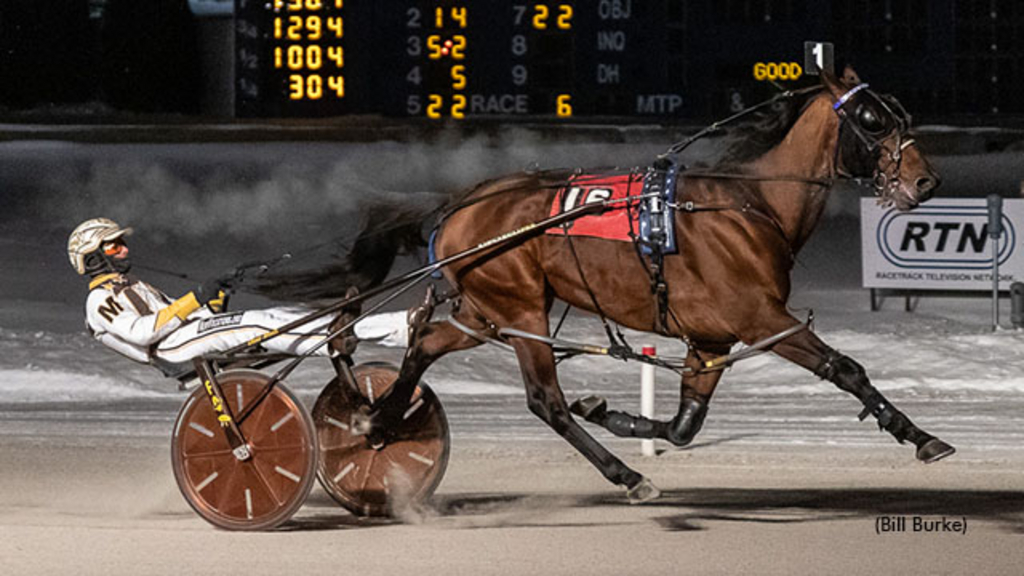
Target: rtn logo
{"x": 942, "y": 237}
{"x": 925, "y": 236}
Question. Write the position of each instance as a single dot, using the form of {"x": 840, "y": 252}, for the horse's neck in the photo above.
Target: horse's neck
{"x": 807, "y": 151}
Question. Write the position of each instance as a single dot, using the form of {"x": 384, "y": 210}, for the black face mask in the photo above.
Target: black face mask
{"x": 97, "y": 263}
{"x": 120, "y": 265}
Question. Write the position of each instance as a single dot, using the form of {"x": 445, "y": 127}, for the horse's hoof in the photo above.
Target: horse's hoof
{"x": 591, "y": 408}
{"x": 934, "y": 450}
{"x": 645, "y": 491}
{"x": 362, "y": 422}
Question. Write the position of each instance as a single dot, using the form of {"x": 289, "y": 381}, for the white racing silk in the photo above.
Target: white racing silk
{"x": 125, "y": 315}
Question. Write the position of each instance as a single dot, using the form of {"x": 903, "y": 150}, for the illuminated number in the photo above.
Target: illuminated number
{"x": 819, "y": 58}
{"x": 337, "y": 25}
{"x": 563, "y": 105}
{"x": 314, "y": 87}
{"x": 459, "y": 106}
{"x": 277, "y": 57}
{"x": 519, "y": 45}
{"x": 412, "y": 46}
{"x": 296, "y": 87}
{"x": 459, "y": 15}
{"x": 778, "y": 71}
{"x": 414, "y": 76}
{"x": 435, "y": 105}
{"x": 520, "y": 11}
{"x": 294, "y": 5}
{"x": 458, "y": 77}
{"x": 519, "y": 74}
{"x": 414, "y": 18}
{"x": 337, "y": 83}
{"x": 278, "y": 4}
{"x": 434, "y": 45}
{"x": 314, "y": 57}
{"x": 313, "y": 4}
{"x": 295, "y": 27}
{"x": 295, "y": 57}
{"x": 337, "y": 55}
{"x": 565, "y": 17}
{"x": 458, "y": 47}
{"x": 412, "y": 104}
{"x": 539, "y": 17}
{"x": 439, "y": 17}
{"x": 313, "y": 27}
{"x": 277, "y": 27}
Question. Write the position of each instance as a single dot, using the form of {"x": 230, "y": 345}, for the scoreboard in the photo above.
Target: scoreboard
{"x": 457, "y": 59}
{"x": 639, "y": 60}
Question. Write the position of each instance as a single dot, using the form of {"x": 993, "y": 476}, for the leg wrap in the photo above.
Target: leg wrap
{"x": 687, "y": 423}
{"x": 876, "y": 405}
{"x": 850, "y": 376}
{"x": 628, "y": 426}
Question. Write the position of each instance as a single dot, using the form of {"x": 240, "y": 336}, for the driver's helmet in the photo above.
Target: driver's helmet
{"x": 87, "y": 239}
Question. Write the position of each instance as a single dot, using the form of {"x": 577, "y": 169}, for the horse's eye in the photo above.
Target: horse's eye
{"x": 868, "y": 120}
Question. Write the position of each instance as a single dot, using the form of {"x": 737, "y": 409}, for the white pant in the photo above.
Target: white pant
{"x": 224, "y": 331}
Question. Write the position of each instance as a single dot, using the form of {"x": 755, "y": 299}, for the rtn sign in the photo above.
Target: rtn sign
{"x": 944, "y": 244}
{"x": 942, "y": 237}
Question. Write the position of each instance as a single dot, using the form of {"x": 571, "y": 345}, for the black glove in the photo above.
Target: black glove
{"x": 213, "y": 295}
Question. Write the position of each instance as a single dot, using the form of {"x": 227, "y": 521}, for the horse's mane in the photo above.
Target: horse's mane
{"x": 750, "y": 138}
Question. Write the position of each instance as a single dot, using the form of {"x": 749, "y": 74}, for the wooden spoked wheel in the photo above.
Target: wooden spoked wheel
{"x": 379, "y": 480}
{"x": 254, "y": 494}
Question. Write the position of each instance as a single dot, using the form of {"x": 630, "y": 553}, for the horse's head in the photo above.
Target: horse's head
{"x": 875, "y": 142}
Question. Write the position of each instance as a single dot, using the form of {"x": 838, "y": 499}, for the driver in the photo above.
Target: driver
{"x": 144, "y": 324}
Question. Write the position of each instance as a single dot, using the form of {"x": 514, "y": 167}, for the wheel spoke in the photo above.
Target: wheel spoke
{"x": 208, "y": 454}
{"x": 266, "y": 485}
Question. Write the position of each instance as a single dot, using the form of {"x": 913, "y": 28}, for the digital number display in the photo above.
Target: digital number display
{"x": 557, "y": 60}
{"x": 457, "y": 59}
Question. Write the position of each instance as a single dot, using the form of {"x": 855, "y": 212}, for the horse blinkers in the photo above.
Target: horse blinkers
{"x": 873, "y": 136}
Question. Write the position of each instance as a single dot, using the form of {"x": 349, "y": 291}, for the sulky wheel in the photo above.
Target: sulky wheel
{"x": 378, "y": 480}
{"x": 254, "y": 494}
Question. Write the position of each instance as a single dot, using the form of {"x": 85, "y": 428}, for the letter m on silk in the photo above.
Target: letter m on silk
{"x": 110, "y": 309}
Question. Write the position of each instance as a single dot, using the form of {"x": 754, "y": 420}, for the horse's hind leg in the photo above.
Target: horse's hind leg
{"x": 545, "y": 399}
{"x": 807, "y": 350}
{"x": 428, "y": 341}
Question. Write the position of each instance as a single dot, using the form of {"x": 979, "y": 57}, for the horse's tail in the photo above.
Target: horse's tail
{"x": 362, "y": 260}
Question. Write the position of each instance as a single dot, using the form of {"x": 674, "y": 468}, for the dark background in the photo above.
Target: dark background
{"x": 135, "y": 55}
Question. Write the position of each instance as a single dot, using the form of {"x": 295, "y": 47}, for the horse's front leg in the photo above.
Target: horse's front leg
{"x": 545, "y": 399}
{"x": 807, "y": 350}
{"x": 694, "y": 396}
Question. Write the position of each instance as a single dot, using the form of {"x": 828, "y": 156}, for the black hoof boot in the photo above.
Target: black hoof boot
{"x": 934, "y": 450}
{"x": 591, "y": 408}
{"x": 594, "y": 409}
{"x": 685, "y": 426}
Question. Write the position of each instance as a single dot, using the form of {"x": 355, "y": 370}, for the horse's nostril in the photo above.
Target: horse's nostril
{"x": 925, "y": 185}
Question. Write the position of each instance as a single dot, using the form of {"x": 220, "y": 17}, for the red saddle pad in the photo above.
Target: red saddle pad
{"x": 586, "y": 188}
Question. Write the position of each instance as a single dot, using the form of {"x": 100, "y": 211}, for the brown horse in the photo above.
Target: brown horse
{"x": 729, "y": 282}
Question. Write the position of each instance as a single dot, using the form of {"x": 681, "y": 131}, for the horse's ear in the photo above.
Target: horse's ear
{"x": 850, "y": 76}
{"x": 832, "y": 84}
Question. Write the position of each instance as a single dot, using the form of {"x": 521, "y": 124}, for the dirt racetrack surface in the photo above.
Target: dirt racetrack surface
{"x": 86, "y": 507}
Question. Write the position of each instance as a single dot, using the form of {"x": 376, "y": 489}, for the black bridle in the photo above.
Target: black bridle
{"x": 873, "y": 132}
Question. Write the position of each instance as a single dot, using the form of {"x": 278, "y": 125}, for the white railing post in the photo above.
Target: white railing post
{"x": 647, "y": 398}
